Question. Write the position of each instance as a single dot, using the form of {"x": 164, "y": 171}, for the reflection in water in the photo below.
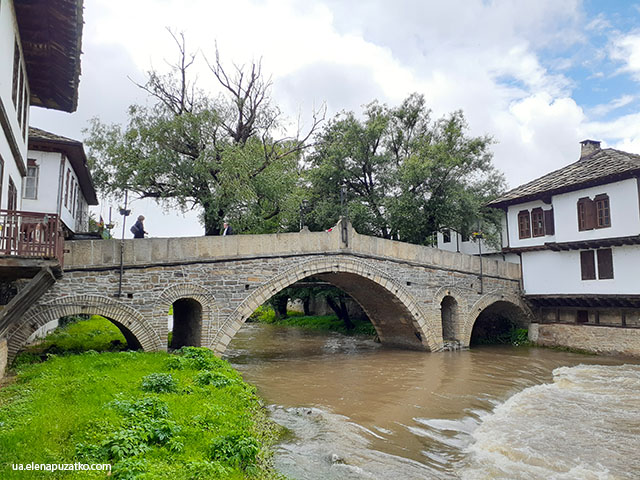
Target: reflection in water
{"x": 359, "y": 410}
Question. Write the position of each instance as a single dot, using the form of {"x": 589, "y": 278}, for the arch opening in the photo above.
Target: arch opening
{"x": 450, "y": 317}
{"x": 187, "y": 323}
{"x": 79, "y": 333}
{"x": 498, "y": 323}
{"x": 396, "y": 316}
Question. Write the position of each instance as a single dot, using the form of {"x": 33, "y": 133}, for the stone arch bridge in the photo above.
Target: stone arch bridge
{"x": 416, "y": 297}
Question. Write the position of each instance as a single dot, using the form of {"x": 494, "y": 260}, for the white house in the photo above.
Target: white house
{"x": 40, "y": 66}
{"x": 453, "y": 241}
{"x": 40, "y": 48}
{"x": 577, "y": 231}
{"x": 58, "y": 180}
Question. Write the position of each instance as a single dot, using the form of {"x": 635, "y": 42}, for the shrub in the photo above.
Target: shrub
{"x": 238, "y": 449}
{"x": 159, "y": 383}
{"x": 216, "y": 379}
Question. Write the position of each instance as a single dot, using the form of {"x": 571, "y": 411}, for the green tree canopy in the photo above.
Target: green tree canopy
{"x": 221, "y": 154}
{"x": 406, "y": 176}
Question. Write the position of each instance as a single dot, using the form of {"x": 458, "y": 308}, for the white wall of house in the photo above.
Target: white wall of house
{"x": 512, "y": 217}
{"x": 458, "y": 244}
{"x": 470, "y": 247}
{"x": 624, "y": 203}
{"x": 48, "y": 191}
{"x": 14, "y": 119}
{"x": 559, "y": 273}
{"x": 52, "y": 189}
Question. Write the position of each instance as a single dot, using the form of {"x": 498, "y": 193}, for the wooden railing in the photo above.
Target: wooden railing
{"x": 31, "y": 234}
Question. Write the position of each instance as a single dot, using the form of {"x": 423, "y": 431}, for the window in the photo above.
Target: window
{"x": 66, "y": 189}
{"x": 594, "y": 213}
{"x": 588, "y": 265}
{"x": 603, "y": 212}
{"x": 12, "y": 201}
{"x": 524, "y": 224}
{"x": 20, "y": 96}
{"x": 25, "y": 109}
{"x": 537, "y": 222}
{"x": 582, "y": 316}
{"x": 549, "y": 223}
{"x": 31, "y": 180}
{"x": 605, "y": 263}
{"x": 446, "y": 236}
{"x": 16, "y": 68}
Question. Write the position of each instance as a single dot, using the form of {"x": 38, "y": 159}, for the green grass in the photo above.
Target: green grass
{"x": 97, "y": 334}
{"x": 317, "y": 322}
{"x": 151, "y": 415}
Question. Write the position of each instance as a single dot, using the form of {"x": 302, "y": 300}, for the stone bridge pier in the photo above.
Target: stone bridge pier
{"x": 416, "y": 297}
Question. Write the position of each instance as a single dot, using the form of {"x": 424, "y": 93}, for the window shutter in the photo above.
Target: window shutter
{"x": 591, "y": 220}
{"x": 605, "y": 263}
{"x": 549, "y": 226}
{"x": 588, "y": 265}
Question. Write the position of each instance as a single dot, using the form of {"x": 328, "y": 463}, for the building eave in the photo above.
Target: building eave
{"x": 51, "y": 38}
{"x": 578, "y": 244}
{"x": 584, "y": 301}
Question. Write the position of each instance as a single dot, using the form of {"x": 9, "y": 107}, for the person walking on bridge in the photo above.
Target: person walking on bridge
{"x": 227, "y": 230}
{"x": 138, "y": 228}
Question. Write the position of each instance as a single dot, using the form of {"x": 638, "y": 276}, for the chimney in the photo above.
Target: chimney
{"x": 589, "y": 147}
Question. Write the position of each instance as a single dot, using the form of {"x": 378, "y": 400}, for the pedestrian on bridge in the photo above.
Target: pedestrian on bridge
{"x": 138, "y": 228}
{"x": 227, "y": 230}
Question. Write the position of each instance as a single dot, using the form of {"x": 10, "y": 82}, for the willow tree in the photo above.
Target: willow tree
{"x": 187, "y": 148}
{"x": 404, "y": 174}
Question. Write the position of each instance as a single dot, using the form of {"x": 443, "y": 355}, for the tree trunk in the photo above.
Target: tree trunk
{"x": 280, "y": 306}
{"x": 341, "y": 312}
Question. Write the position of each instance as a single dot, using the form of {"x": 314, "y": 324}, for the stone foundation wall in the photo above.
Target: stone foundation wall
{"x": 593, "y": 338}
{"x": 4, "y": 351}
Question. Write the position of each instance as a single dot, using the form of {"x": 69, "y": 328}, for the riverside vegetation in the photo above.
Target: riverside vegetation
{"x": 187, "y": 415}
{"x": 266, "y": 314}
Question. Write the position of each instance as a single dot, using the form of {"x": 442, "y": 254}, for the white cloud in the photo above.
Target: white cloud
{"x": 626, "y": 49}
{"x": 603, "y": 109}
{"x": 487, "y": 58}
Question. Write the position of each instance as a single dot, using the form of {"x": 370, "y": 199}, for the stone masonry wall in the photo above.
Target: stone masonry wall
{"x": 597, "y": 339}
{"x": 3, "y": 356}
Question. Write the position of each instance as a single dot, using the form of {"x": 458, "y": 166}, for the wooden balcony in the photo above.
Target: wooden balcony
{"x": 31, "y": 235}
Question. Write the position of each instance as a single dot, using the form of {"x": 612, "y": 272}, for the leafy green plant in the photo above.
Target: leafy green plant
{"x": 159, "y": 383}
{"x": 238, "y": 449}
{"x": 216, "y": 379}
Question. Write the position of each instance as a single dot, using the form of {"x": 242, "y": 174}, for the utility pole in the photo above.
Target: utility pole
{"x": 125, "y": 213}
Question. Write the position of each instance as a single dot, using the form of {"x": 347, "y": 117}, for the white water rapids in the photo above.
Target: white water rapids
{"x": 358, "y": 411}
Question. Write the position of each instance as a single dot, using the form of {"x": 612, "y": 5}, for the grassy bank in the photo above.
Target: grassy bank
{"x": 151, "y": 415}
{"x": 318, "y": 322}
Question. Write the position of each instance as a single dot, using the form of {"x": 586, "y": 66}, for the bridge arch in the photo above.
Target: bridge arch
{"x": 394, "y": 313}
{"x": 194, "y": 300}
{"x": 511, "y": 305}
{"x": 131, "y": 323}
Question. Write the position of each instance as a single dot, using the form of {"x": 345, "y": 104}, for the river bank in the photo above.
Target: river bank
{"x": 150, "y": 415}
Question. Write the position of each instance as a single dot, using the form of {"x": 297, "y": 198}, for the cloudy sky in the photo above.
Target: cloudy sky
{"x": 537, "y": 75}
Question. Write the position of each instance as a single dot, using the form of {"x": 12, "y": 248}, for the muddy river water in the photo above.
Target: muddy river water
{"x": 357, "y": 410}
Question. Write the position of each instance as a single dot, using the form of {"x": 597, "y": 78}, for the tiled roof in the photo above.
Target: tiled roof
{"x": 38, "y": 134}
{"x": 603, "y": 166}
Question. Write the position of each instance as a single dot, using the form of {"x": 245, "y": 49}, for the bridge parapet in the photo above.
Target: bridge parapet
{"x": 91, "y": 254}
